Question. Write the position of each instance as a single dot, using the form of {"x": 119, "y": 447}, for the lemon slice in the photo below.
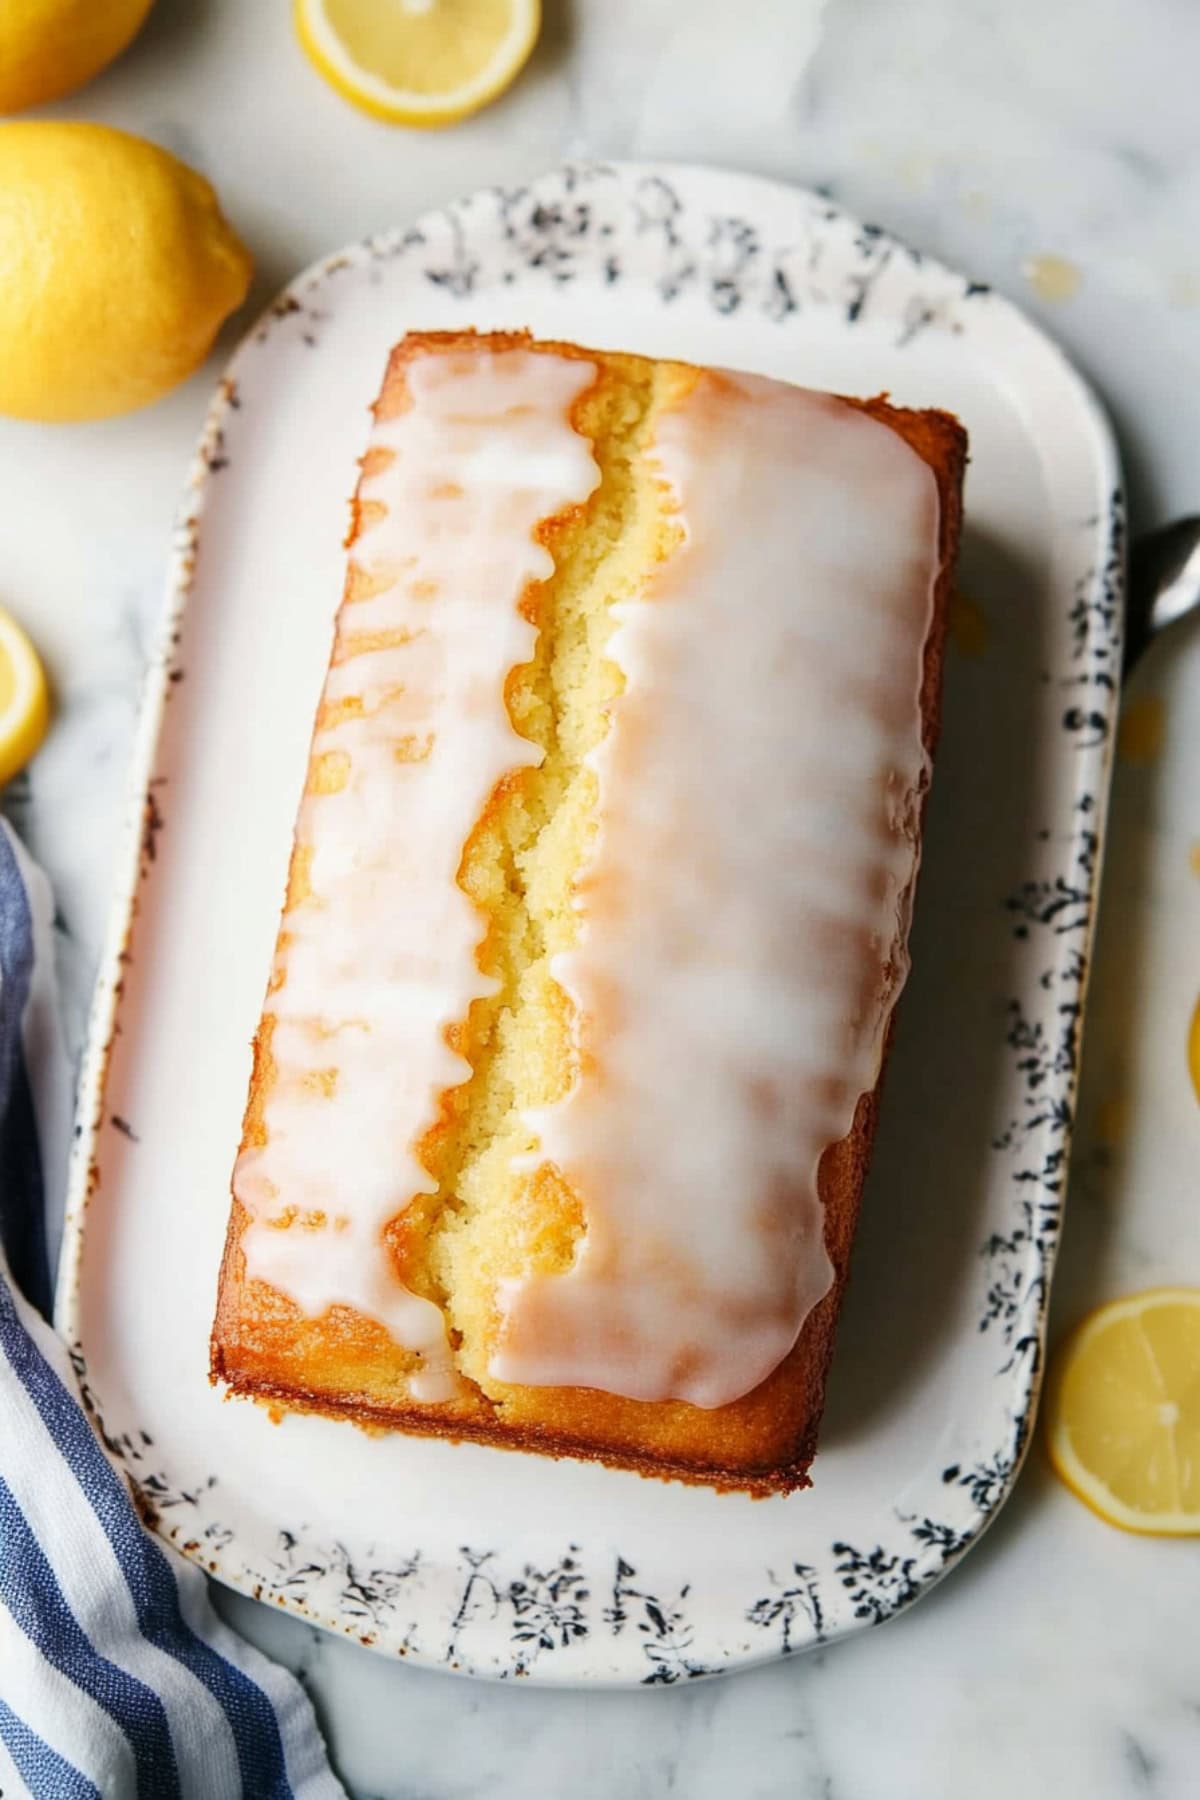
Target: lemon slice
{"x": 1123, "y": 1412}
{"x": 419, "y": 62}
{"x": 24, "y": 699}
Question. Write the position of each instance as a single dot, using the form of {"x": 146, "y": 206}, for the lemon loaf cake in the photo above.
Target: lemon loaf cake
{"x": 566, "y": 1079}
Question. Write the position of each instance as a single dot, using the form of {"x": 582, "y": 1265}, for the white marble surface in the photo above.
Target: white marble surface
{"x": 1062, "y": 1658}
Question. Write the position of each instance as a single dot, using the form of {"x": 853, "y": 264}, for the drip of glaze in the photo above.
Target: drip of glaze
{"x": 377, "y": 951}
{"x": 744, "y": 915}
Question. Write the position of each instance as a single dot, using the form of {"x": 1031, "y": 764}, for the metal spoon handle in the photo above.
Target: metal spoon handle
{"x": 1164, "y": 583}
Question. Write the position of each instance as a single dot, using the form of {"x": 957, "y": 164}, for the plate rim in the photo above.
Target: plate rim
{"x": 1093, "y": 772}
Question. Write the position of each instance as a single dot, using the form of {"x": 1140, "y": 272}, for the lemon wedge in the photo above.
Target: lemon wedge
{"x": 24, "y": 699}
{"x": 418, "y": 62}
{"x": 1123, "y": 1412}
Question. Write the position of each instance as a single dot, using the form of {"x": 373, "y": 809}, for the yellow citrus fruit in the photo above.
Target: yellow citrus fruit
{"x": 24, "y": 699}
{"x": 419, "y": 62}
{"x": 1123, "y": 1412}
{"x": 116, "y": 269}
{"x": 51, "y": 47}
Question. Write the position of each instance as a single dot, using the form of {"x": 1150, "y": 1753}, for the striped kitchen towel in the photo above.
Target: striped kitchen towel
{"x": 116, "y": 1676}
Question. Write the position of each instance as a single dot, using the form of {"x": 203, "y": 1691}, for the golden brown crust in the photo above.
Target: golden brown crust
{"x": 346, "y": 1365}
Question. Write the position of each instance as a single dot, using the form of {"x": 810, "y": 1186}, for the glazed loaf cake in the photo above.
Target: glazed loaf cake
{"x": 565, "y": 1085}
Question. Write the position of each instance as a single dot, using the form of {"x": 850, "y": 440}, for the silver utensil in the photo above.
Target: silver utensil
{"x": 1164, "y": 583}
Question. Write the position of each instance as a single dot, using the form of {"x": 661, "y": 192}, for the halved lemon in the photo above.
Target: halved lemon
{"x": 1123, "y": 1412}
{"x": 419, "y": 62}
{"x": 24, "y": 699}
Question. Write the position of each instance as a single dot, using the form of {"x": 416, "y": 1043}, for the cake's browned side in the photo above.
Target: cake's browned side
{"x": 347, "y": 1365}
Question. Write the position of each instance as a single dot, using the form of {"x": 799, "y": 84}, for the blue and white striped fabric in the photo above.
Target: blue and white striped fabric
{"x": 116, "y": 1676}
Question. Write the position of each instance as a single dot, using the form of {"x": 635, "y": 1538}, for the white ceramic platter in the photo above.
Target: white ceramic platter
{"x": 502, "y": 1564}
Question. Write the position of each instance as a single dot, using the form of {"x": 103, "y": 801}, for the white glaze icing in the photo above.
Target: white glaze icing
{"x": 374, "y": 965}
{"x": 744, "y": 915}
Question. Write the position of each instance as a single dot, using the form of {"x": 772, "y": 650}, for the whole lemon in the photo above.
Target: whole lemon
{"x": 116, "y": 269}
{"x": 51, "y": 47}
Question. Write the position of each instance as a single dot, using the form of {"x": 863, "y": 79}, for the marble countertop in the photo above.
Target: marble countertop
{"x": 1050, "y": 150}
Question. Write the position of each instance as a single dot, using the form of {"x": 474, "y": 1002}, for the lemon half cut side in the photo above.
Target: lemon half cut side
{"x": 1123, "y": 1412}
{"x": 24, "y": 699}
{"x": 418, "y": 62}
